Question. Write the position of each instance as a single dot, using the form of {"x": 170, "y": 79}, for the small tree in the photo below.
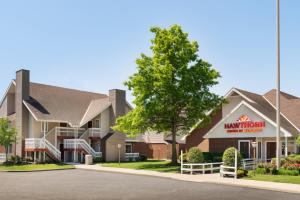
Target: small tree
{"x": 195, "y": 155}
{"x": 7, "y": 134}
{"x": 229, "y": 157}
{"x": 298, "y": 141}
{"x": 171, "y": 87}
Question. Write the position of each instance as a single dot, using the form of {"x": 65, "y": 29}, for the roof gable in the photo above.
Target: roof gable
{"x": 218, "y": 130}
{"x": 51, "y": 103}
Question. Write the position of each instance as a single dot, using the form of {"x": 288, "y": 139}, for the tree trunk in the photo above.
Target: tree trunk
{"x": 174, "y": 152}
{"x": 6, "y": 153}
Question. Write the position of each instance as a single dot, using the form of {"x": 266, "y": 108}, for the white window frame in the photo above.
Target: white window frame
{"x": 249, "y": 147}
{"x": 42, "y": 127}
{"x": 99, "y": 120}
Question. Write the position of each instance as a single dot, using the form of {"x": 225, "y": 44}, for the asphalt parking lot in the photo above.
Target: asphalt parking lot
{"x": 86, "y": 185}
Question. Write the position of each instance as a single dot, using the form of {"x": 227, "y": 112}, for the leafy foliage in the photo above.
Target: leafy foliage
{"x": 229, "y": 157}
{"x": 171, "y": 87}
{"x": 298, "y": 141}
{"x": 195, "y": 155}
{"x": 7, "y": 134}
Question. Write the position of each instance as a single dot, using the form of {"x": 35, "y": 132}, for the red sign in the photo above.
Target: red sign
{"x": 244, "y": 125}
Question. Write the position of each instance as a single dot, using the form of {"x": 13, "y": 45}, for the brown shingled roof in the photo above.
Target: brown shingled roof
{"x": 263, "y": 106}
{"x": 290, "y": 105}
{"x": 60, "y": 104}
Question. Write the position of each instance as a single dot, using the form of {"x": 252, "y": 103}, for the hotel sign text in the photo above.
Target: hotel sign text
{"x": 244, "y": 125}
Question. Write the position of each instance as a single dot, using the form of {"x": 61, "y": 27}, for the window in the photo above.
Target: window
{"x": 63, "y": 125}
{"x": 259, "y": 150}
{"x": 90, "y": 124}
{"x": 128, "y": 148}
{"x": 244, "y": 148}
{"x": 44, "y": 127}
{"x": 97, "y": 123}
{"x": 283, "y": 148}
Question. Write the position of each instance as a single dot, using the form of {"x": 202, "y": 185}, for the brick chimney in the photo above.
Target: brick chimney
{"x": 22, "y": 114}
{"x": 118, "y": 100}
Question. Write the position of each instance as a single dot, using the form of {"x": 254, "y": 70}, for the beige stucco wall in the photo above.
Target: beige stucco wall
{"x": 105, "y": 120}
{"x": 34, "y": 127}
{"x": 232, "y": 102}
{"x": 3, "y": 108}
{"x": 112, "y": 153}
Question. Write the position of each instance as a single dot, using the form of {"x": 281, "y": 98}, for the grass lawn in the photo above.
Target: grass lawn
{"x": 153, "y": 165}
{"x": 35, "y": 167}
{"x": 275, "y": 178}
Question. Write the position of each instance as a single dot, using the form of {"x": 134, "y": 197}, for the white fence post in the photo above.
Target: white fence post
{"x": 235, "y": 163}
{"x": 181, "y": 161}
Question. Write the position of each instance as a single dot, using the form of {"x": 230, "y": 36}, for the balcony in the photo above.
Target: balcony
{"x": 34, "y": 144}
{"x": 94, "y": 132}
{"x": 68, "y": 132}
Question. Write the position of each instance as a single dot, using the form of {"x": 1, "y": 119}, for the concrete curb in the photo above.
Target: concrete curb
{"x": 39, "y": 170}
{"x": 285, "y": 187}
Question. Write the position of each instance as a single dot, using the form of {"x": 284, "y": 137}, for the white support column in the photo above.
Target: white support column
{"x": 34, "y": 156}
{"x": 295, "y": 146}
{"x": 286, "y": 146}
{"x": 44, "y": 130}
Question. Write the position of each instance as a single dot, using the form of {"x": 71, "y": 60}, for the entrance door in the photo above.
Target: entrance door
{"x": 271, "y": 150}
{"x": 61, "y": 148}
{"x": 244, "y": 148}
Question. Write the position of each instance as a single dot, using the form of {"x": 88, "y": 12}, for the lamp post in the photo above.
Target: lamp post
{"x": 254, "y": 145}
{"x": 278, "y": 85}
{"x": 119, "y": 151}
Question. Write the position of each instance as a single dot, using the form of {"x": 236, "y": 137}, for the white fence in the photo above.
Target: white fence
{"x": 199, "y": 167}
{"x": 2, "y": 157}
{"x": 229, "y": 170}
{"x": 248, "y": 164}
{"x": 133, "y": 156}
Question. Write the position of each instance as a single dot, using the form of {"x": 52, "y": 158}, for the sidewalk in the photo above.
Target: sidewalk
{"x": 206, "y": 178}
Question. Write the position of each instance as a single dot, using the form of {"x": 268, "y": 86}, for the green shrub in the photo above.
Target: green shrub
{"x": 229, "y": 156}
{"x": 287, "y": 172}
{"x": 241, "y": 173}
{"x": 195, "y": 155}
{"x": 282, "y": 161}
{"x": 97, "y": 160}
{"x": 261, "y": 170}
{"x": 269, "y": 167}
{"x": 143, "y": 158}
{"x": 293, "y": 159}
{"x": 17, "y": 160}
{"x": 184, "y": 157}
{"x": 212, "y": 157}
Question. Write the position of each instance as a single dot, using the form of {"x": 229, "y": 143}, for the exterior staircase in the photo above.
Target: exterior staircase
{"x": 81, "y": 144}
{"x": 38, "y": 144}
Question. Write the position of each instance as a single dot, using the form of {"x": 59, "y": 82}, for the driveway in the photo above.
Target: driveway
{"x": 86, "y": 185}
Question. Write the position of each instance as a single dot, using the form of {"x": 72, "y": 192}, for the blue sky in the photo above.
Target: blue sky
{"x": 92, "y": 45}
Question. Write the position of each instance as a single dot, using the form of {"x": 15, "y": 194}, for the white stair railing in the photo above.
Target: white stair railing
{"x": 53, "y": 150}
{"x": 41, "y": 143}
{"x": 81, "y": 144}
{"x": 92, "y": 132}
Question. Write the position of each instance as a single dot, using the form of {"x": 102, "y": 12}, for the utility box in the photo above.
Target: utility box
{"x": 88, "y": 159}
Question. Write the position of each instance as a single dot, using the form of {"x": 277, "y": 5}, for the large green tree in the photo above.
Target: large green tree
{"x": 7, "y": 135}
{"x": 171, "y": 87}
